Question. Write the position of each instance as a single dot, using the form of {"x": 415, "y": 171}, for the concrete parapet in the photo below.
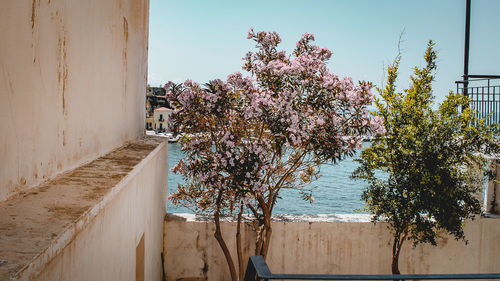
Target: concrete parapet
{"x": 329, "y": 248}
{"x": 89, "y": 223}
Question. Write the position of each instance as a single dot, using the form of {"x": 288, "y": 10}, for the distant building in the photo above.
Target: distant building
{"x": 157, "y": 109}
{"x": 149, "y": 108}
{"x": 156, "y": 97}
{"x": 157, "y": 91}
{"x": 160, "y": 119}
{"x": 149, "y": 115}
{"x": 149, "y": 123}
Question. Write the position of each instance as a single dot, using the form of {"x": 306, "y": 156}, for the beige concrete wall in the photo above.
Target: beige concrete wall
{"x": 330, "y": 248}
{"x": 106, "y": 248}
{"x": 72, "y": 84}
{"x": 492, "y": 204}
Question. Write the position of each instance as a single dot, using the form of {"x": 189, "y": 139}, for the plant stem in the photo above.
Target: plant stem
{"x": 396, "y": 250}
{"x": 241, "y": 265}
{"x": 220, "y": 239}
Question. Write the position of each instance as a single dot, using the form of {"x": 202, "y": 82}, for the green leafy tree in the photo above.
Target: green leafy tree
{"x": 424, "y": 172}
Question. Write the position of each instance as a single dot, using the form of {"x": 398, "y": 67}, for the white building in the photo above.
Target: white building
{"x": 160, "y": 115}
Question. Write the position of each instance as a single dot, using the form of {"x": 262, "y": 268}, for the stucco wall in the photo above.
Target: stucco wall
{"x": 106, "y": 248}
{"x": 329, "y": 248}
{"x": 492, "y": 201}
{"x": 72, "y": 84}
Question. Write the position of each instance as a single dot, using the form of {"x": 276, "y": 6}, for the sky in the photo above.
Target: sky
{"x": 203, "y": 40}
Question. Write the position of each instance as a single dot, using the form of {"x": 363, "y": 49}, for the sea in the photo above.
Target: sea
{"x": 334, "y": 192}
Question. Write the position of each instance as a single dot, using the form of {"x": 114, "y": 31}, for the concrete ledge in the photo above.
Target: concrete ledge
{"x": 338, "y": 247}
{"x": 37, "y": 225}
{"x": 275, "y": 218}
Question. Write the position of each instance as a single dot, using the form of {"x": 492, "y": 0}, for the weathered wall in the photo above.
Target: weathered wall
{"x": 106, "y": 248}
{"x": 330, "y": 248}
{"x": 492, "y": 204}
{"x": 72, "y": 84}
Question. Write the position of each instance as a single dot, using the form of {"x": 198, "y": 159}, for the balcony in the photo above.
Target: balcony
{"x": 484, "y": 94}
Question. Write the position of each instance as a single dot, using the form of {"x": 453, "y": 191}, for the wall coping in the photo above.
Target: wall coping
{"x": 355, "y": 218}
{"x": 276, "y": 218}
{"x": 37, "y": 225}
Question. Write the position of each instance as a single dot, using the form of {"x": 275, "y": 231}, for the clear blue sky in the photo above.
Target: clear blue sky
{"x": 203, "y": 40}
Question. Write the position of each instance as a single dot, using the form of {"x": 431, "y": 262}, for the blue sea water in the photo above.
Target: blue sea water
{"x": 334, "y": 191}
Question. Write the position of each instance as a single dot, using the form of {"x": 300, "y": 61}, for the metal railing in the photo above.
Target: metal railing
{"x": 484, "y": 94}
{"x": 257, "y": 269}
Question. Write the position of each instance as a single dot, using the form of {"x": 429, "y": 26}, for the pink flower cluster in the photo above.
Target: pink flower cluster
{"x": 240, "y": 129}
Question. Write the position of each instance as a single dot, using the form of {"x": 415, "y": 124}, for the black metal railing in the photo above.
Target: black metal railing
{"x": 257, "y": 269}
{"x": 484, "y": 94}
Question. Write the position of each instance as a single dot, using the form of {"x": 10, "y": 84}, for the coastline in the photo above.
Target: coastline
{"x": 277, "y": 218}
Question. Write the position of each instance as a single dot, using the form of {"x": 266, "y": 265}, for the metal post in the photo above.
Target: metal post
{"x": 466, "y": 49}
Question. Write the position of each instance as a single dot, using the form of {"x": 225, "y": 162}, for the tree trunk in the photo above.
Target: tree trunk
{"x": 395, "y": 264}
{"x": 396, "y": 250}
{"x": 267, "y": 239}
{"x": 220, "y": 239}
{"x": 260, "y": 240}
{"x": 241, "y": 265}
{"x": 264, "y": 234}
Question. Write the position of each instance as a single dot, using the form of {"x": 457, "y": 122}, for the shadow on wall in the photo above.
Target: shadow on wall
{"x": 328, "y": 248}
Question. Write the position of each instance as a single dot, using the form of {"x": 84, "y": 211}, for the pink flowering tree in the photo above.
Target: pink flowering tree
{"x": 247, "y": 138}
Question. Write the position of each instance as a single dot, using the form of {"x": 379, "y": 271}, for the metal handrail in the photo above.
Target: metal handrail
{"x": 474, "y": 78}
{"x": 257, "y": 269}
{"x": 484, "y": 96}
